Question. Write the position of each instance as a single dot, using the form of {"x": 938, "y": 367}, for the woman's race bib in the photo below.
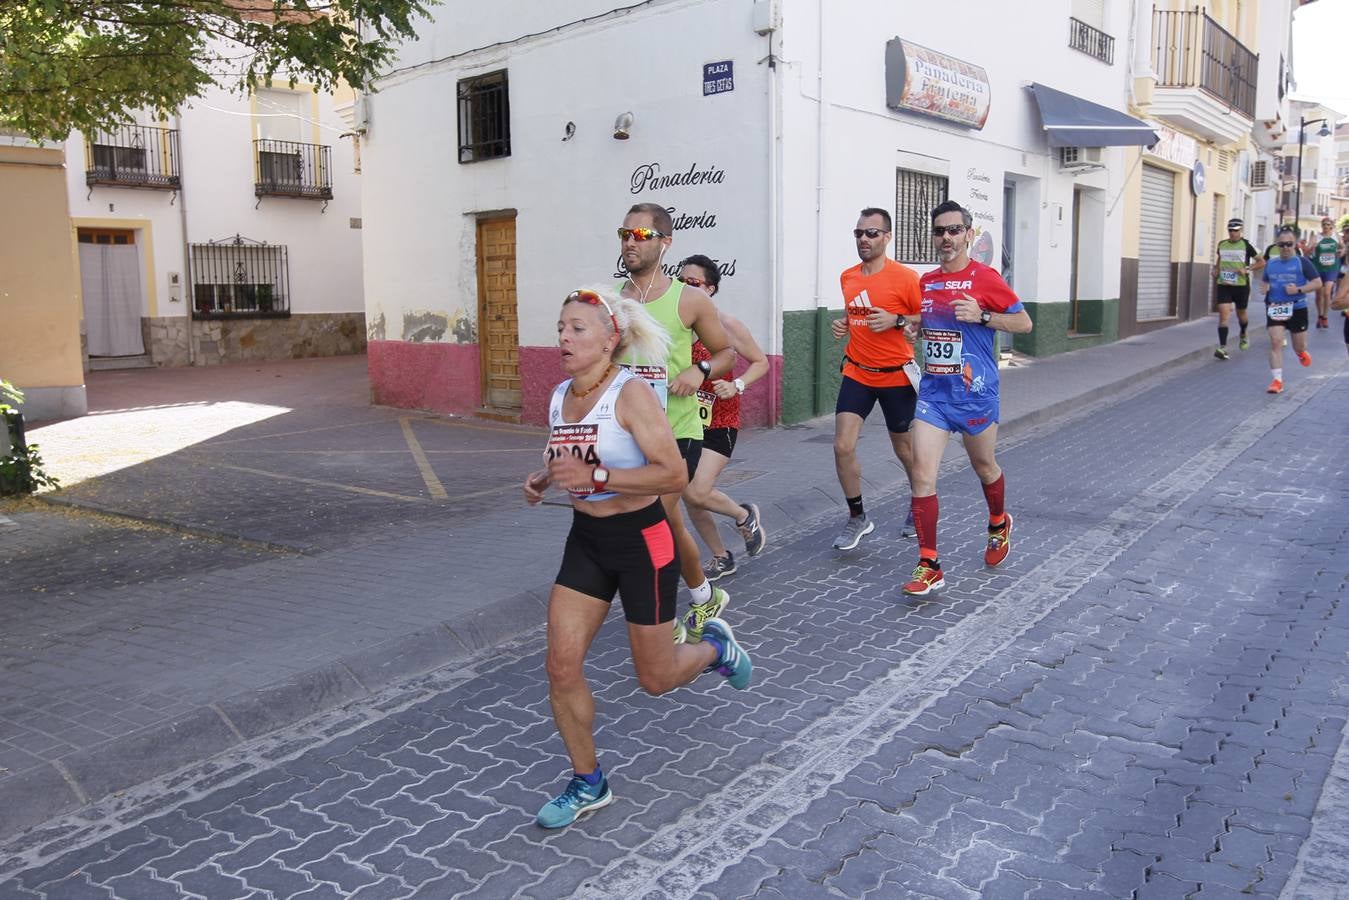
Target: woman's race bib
{"x": 706, "y": 400}
{"x": 1327, "y": 260}
{"x": 654, "y": 376}
{"x": 578, "y": 440}
{"x": 942, "y": 351}
{"x": 1279, "y": 312}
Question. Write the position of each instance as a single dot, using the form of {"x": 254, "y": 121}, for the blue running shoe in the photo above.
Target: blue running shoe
{"x": 578, "y": 798}
{"x": 734, "y": 661}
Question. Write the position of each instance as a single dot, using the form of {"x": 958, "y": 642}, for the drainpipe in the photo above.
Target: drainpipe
{"x": 187, "y": 257}
{"x": 775, "y": 214}
{"x": 820, "y": 300}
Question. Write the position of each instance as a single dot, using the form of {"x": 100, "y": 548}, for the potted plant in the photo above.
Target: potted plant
{"x": 21, "y": 469}
{"x": 265, "y": 302}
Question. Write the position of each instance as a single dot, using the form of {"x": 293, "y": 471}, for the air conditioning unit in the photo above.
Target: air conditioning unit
{"x": 1260, "y": 175}
{"x": 1081, "y": 157}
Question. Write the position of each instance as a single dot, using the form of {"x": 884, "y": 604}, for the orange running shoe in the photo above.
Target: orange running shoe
{"x": 999, "y": 542}
{"x": 1305, "y": 358}
{"x": 926, "y": 577}
{"x": 1275, "y": 387}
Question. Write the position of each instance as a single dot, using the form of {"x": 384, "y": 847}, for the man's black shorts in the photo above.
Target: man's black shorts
{"x": 692, "y": 451}
{"x": 1240, "y": 294}
{"x": 1295, "y": 325}
{"x": 897, "y": 403}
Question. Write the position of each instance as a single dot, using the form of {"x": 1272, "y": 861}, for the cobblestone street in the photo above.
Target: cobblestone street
{"x": 1146, "y": 701}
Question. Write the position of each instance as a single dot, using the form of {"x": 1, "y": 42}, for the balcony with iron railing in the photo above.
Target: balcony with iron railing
{"x": 1091, "y": 41}
{"x": 1206, "y": 78}
{"x": 292, "y": 169}
{"x": 138, "y": 156}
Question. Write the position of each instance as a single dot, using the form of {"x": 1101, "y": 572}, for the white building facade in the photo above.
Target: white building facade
{"x": 494, "y": 183}
{"x": 228, "y": 232}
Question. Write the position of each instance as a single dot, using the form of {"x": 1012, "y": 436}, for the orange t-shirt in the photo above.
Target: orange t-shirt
{"x": 895, "y": 290}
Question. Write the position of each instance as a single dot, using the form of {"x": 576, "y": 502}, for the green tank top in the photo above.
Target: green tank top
{"x": 682, "y": 411}
{"x": 1231, "y": 257}
{"x": 1326, "y": 255}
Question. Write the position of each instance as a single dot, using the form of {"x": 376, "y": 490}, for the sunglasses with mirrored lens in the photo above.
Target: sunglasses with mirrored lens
{"x": 939, "y": 230}
{"x": 640, "y": 235}
{"x": 593, "y": 299}
{"x": 1285, "y": 243}
{"x": 872, "y": 233}
{"x": 694, "y": 282}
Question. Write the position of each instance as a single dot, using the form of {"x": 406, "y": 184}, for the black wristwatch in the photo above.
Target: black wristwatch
{"x": 705, "y": 366}
{"x": 900, "y": 322}
{"x": 985, "y": 317}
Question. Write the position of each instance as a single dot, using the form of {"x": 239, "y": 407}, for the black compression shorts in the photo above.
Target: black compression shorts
{"x": 632, "y": 554}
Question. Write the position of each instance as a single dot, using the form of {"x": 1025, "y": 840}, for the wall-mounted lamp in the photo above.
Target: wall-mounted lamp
{"x": 622, "y": 125}
{"x": 569, "y": 131}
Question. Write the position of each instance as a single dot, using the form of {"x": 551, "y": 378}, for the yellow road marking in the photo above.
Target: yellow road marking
{"x": 332, "y": 484}
{"x": 260, "y": 437}
{"x": 432, "y": 482}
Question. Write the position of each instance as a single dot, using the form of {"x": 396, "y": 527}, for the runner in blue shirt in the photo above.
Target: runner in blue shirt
{"x": 963, "y": 304}
{"x": 1290, "y": 278}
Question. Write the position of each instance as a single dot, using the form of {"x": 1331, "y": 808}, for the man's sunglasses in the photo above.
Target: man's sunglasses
{"x": 939, "y": 230}
{"x": 593, "y": 299}
{"x": 1285, "y": 243}
{"x": 872, "y": 233}
{"x": 640, "y": 235}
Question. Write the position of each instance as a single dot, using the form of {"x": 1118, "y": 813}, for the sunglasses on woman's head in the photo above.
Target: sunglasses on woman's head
{"x": 694, "y": 282}
{"x": 640, "y": 235}
{"x": 594, "y": 299}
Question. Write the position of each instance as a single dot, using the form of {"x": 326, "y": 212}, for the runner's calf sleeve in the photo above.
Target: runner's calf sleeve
{"x": 993, "y": 493}
{"x": 1222, "y": 335}
{"x": 925, "y": 523}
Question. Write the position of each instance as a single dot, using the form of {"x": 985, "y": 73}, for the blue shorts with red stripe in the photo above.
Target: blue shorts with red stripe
{"x": 966, "y": 418}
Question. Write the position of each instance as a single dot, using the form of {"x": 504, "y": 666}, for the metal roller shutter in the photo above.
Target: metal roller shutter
{"x": 1154, "y": 244}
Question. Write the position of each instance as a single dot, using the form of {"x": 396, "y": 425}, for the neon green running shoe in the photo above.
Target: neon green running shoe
{"x": 699, "y": 613}
{"x": 1245, "y": 344}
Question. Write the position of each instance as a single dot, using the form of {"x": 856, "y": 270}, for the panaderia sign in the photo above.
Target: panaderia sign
{"x": 924, "y": 81}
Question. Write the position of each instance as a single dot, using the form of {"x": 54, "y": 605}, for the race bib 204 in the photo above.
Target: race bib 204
{"x": 1279, "y": 312}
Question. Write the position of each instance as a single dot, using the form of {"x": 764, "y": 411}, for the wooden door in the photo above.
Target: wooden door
{"x": 498, "y": 322}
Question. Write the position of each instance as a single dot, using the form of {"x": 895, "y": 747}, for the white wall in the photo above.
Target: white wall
{"x": 569, "y": 196}
{"x": 865, "y": 142}
{"x": 216, "y": 166}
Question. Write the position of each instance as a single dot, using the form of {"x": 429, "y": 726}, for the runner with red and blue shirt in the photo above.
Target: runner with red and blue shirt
{"x": 963, "y": 304}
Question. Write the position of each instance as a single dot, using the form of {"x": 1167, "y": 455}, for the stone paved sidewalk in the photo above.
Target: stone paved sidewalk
{"x": 263, "y": 546}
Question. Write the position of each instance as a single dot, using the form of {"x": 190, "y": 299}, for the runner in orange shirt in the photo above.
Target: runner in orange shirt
{"x": 878, "y": 295}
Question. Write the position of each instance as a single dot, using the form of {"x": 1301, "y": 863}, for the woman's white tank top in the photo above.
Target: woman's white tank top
{"x": 597, "y": 439}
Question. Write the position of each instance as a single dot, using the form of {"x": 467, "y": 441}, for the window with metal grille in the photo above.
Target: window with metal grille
{"x": 916, "y": 194}
{"x": 484, "y": 117}
{"x": 240, "y": 278}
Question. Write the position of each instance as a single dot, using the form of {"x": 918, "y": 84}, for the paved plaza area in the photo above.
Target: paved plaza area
{"x": 294, "y": 648}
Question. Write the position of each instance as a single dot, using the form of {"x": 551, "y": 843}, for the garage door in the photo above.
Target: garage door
{"x": 1154, "y": 244}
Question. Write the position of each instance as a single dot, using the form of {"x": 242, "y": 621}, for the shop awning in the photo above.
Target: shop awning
{"x": 1073, "y": 122}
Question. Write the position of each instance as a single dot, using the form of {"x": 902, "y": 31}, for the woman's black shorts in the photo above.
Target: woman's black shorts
{"x": 630, "y": 553}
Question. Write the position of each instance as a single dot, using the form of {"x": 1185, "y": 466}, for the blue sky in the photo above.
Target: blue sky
{"x": 1320, "y": 40}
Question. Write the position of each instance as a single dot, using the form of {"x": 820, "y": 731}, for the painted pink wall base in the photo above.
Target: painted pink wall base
{"x": 438, "y": 377}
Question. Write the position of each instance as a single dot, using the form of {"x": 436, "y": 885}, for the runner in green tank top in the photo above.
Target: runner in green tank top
{"x": 686, "y": 313}
{"x": 1326, "y": 258}
{"x": 1233, "y": 267}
